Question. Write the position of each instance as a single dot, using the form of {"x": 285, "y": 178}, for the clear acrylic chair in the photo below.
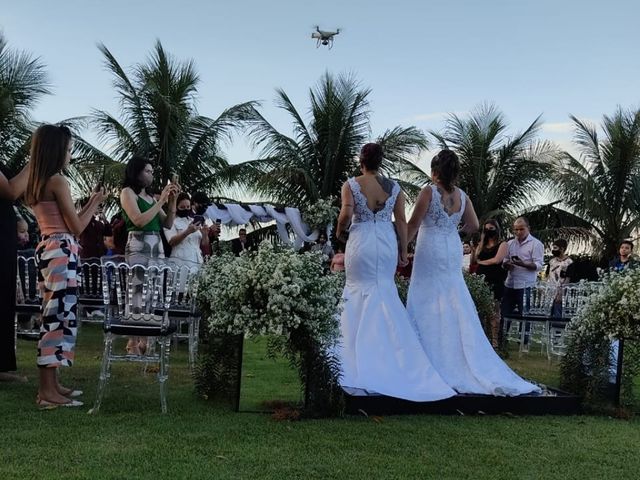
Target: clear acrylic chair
{"x": 28, "y": 299}
{"x": 574, "y": 295}
{"x": 541, "y": 303}
{"x": 90, "y": 291}
{"x": 137, "y": 299}
{"x": 183, "y": 307}
{"x": 538, "y": 303}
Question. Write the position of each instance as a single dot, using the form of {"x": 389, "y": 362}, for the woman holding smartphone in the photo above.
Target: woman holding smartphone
{"x": 187, "y": 236}
{"x": 144, "y": 218}
{"x": 49, "y": 195}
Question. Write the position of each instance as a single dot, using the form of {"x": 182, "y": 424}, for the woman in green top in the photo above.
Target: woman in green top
{"x": 144, "y": 218}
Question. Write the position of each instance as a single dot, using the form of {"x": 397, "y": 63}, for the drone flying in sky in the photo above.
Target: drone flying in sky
{"x": 324, "y": 38}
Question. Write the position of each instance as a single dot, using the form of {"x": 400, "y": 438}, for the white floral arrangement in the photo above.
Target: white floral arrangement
{"x": 273, "y": 291}
{"x": 612, "y": 307}
{"x": 322, "y": 213}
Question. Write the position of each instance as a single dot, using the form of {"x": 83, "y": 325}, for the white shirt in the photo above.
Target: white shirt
{"x": 188, "y": 249}
{"x": 466, "y": 261}
{"x": 556, "y": 267}
{"x": 530, "y": 250}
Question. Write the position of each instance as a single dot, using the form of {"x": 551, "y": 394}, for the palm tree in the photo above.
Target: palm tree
{"x": 602, "y": 186}
{"x": 23, "y": 81}
{"x": 159, "y": 120}
{"x": 499, "y": 173}
{"x": 323, "y": 152}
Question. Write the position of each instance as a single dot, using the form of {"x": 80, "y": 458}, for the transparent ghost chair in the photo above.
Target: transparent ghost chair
{"x": 28, "y": 299}
{"x": 183, "y": 306}
{"x": 137, "y": 299}
{"x": 90, "y": 291}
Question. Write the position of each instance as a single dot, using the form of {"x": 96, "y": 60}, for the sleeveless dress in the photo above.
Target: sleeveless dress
{"x": 494, "y": 275}
{"x": 445, "y": 316}
{"x": 380, "y": 351}
{"x": 144, "y": 245}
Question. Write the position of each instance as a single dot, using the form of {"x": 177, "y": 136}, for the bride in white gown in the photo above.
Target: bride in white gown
{"x": 380, "y": 351}
{"x": 439, "y": 302}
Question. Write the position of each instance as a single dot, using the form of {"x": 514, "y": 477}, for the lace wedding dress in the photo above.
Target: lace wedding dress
{"x": 380, "y": 351}
{"x": 441, "y": 309}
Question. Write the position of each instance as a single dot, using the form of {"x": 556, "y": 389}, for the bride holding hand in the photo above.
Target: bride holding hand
{"x": 439, "y": 302}
{"x": 380, "y": 351}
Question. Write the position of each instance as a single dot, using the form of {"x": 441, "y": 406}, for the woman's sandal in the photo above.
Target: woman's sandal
{"x": 46, "y": 405}
{"x": 67, "y": 392}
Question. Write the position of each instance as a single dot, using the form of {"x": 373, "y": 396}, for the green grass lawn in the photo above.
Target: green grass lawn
{"x": 129, "y": 438}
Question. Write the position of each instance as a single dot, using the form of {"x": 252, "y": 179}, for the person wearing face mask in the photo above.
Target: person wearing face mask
{"x": 490, "y": 253}
{"x": 199, "y": 203}
{"x": 187, "y": 235}
{"x": 144, "y": 218}
{"x": 557, "y": 272}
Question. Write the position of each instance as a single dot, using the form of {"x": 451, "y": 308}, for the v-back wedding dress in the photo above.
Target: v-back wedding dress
{"x": 380, "y": 351}
{"x": 441, "y": 308}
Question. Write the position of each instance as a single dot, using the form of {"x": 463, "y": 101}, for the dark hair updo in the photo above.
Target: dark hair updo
{"x": 447, "y": 166}
{"x": 371, "y": 156}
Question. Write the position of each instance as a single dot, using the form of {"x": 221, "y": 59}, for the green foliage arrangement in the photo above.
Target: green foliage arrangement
{"x": 286, "y": 296}
{"x": 611, "y": 311}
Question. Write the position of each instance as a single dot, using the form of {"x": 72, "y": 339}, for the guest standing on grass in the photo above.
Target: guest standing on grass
{"x": 11, "y": 188}
{"x": 489, "y": 254}
{"x": 49, "y": 195}
{"x": 557, "y": 269}
{"x": 144, "y": 218}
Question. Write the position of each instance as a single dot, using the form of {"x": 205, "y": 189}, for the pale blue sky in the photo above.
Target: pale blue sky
{"x": 421, "y": 58}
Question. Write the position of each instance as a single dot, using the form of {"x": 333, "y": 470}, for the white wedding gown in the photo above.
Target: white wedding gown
{"x": 441, "y": 308}
{"x": 380, "y": 351}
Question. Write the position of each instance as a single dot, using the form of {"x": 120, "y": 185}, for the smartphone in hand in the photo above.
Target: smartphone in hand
{"x": 198, "y": 220}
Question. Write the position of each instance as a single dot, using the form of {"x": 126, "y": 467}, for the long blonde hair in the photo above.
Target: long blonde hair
{"x": 48, "y": 154}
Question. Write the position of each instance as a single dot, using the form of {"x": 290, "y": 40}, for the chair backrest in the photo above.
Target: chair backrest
{"x": 541, "y": 299}
{"x": 186, "y": 287}
{"x": 90, "y": 279}
{"x": 137, "y": 293}
{"x": 27, "y": 281}
{"x": 574, "y": 295}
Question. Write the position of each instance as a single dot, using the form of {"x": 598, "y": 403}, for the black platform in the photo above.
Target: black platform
{"x": 554, "y": 402}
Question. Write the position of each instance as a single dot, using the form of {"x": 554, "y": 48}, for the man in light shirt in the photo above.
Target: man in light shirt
{"x": 525, "y": 258}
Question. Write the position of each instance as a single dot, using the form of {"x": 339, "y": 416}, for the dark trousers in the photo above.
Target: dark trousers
{"x": 515, "y": 302}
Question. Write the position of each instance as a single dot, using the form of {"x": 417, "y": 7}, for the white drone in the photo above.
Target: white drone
{"x": 324, "y": 38}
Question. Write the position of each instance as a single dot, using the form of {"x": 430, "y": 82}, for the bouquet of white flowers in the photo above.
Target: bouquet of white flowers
{"x": 287, "y": 296}
{"x": 610, "y": 310}
{"x": 322, "y": 213}
{"x": 613, "y": 307}
{"x": 271, "y": 292}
